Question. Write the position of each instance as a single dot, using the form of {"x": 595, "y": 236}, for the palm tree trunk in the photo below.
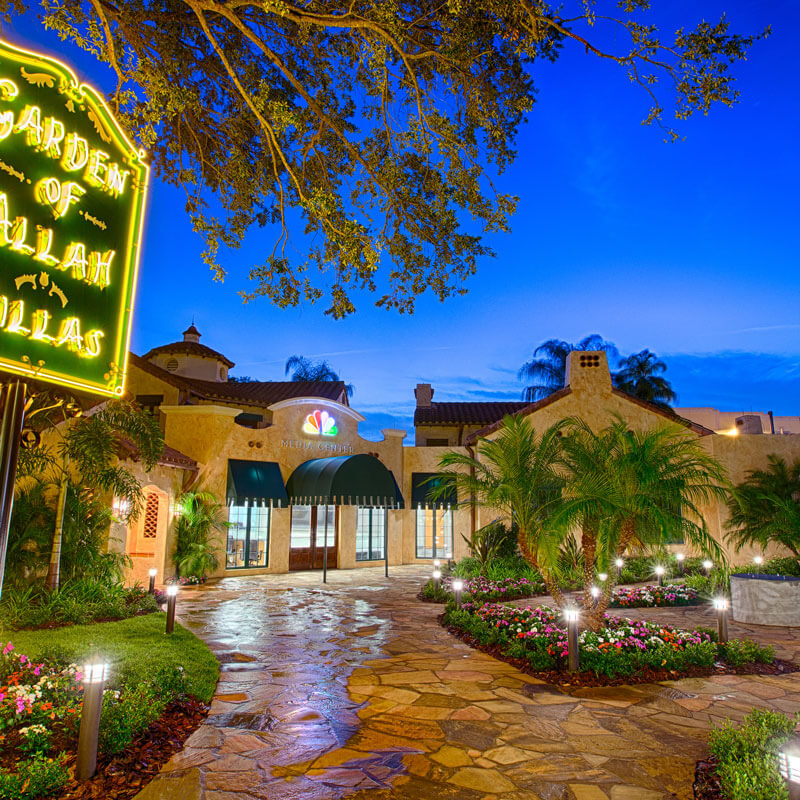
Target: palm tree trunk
{"x": 589, "y": 546}
{"x": 552, "y": 586}
{"x": 595, "y": 618}
{"x": 54, "y": 568}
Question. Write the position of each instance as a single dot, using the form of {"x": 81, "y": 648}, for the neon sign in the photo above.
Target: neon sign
{"x": 72, "y": 199}
{"x": 320, "y": 423}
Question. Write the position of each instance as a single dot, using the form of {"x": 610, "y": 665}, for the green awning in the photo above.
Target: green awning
{"x": 255, "y": 483}
{"x": 357, "y": 480}
{"x": 422, "y": 483}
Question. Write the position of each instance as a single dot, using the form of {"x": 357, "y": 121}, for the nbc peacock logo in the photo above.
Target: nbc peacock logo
{"x": 320, "y": 423}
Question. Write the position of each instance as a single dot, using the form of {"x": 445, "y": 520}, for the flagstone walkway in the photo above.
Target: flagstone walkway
{"x": 353, "y": 690}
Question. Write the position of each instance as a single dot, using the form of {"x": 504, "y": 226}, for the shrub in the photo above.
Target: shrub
{"x": 746, "y": 651}
{"x": 746, "y": 755}
{"x": 35, "y": 777}
{"x": 653, "y": 596}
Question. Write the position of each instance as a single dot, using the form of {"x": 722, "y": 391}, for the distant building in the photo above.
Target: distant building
{"x": 734, "y": 423}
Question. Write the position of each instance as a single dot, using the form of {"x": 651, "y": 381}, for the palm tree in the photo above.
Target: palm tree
{"x": 547, "y": 370}
{"x": 640, "y": 377}
{"x": 201, "y": 517}
{"x": 516, "y": 475}
{"x": 627, "y": 488}
{"x": 765, "y": 507}
{"x": 304, "y": 369}
{"x": 89, "y": 449}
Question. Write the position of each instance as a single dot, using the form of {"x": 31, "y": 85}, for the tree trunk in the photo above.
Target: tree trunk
{"x": 595, "y": 618}
{"x": 552, "y": 587}
{"x": 589, "y": 546}
{"x": 54, "y": 568}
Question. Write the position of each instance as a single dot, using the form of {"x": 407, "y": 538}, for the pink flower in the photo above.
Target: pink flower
{"x": 8, "y": 648}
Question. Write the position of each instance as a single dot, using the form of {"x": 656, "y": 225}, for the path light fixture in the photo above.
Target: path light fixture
{"x": 595, "y": 593}
{"x": 721, "y": 604}
{"x": 458, "y": 587}
{"x": 659, "y": 570}
{"x": 436, "y": 563}
{"x": 152, "y": 573}
{"x": 707, "y": 565}
{"x": 789, "y": 766}
{"x": 571, "y": 616}
{"x": 679, "y": 557}
{"x": 758, "y": 560}
{"x": 619, "y": 563}
{"x": 437, "y": 576}
{"x": 602, "y": 576}
{"x": 172, "y": 596}
{"x": 94, "y": 678}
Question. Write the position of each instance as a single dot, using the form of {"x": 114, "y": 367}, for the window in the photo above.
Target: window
{"x": 248, "y": 537}
{"x": 434, "y": 532}
{"x": 370, "y": 533}
{"x": 150, "y": 525}
{"x": 437, "y": 443}
{"x": 150, "y": 403}
{"x": 301, "y": 526}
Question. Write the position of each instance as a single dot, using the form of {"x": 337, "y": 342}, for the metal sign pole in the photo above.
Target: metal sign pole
{"x": 385, "y": 544}
{"x": 13, "y": 400}
{"x": 325, "y": 549}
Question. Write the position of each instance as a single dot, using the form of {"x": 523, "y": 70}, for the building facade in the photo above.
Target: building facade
{"x": 304, "y": 489}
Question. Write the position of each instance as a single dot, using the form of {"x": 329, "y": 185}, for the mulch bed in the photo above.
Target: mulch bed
{"x": 581, "y": 680}
{"x": 706, "y": 783}
{"x": 123, "y": 776}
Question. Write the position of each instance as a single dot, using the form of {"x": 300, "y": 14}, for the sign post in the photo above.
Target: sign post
{"x": 72, "y": 200}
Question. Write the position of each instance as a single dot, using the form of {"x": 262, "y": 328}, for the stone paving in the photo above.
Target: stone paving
{"x": 353, "y": 690}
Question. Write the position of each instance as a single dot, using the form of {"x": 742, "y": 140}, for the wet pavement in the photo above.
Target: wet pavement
{"x": 353, "y": 690}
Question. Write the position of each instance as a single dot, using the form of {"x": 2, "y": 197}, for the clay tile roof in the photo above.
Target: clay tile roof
{"x": 466, "y": 413}
{"x": 189, "y": 349}
{"x": 192, "y": 330}
{"x": 169, "y": 458}
{"x": 265, "y": 393}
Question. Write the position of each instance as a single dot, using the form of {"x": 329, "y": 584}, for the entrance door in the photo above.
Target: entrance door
{"x": 307, "y": 540}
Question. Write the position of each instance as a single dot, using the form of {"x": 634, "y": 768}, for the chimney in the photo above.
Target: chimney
{"x": 424, "y": 395}
{"x": 587, "y": 372}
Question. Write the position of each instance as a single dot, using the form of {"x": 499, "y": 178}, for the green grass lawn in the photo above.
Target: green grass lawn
{"x": 133, "y": 646}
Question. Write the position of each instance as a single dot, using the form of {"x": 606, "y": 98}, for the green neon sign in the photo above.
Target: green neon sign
{"x": 72, "y": 200}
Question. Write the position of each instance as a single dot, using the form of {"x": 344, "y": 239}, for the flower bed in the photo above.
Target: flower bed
{"x": 654, "y": 596}
{"x": 40, "y": 708}
{"x": 481, "y": 589}
{"x": 625, "y": 651}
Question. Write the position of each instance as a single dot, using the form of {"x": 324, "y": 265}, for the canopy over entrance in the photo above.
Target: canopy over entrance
{"x": 253, "y": 483}
{"x": 357, "y": 480}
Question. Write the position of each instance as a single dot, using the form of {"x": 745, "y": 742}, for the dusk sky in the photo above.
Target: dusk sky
{"x": 689, "y": 249}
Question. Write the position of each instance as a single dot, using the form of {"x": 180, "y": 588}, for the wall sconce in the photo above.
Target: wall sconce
{"x": 120, "y": 507}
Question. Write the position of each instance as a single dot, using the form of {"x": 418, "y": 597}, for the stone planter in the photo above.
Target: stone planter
{"x": 766, "y": 599}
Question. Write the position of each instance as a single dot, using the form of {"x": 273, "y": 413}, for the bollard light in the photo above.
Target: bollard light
{"x": 458, "y": 587}
{"x": 571, "y": 616}
{"x": 758, "y": 560}
{"x": 595, "y": 593}
{"x": 437, "y": 576}
{"x": 707, "y": 566}
{"x": 436, "y": 563}
{"x": 152, "y": 573}
{"x": 603, "y": 576}
{"x": 721, "y": 604}
{"x": 172, "y": 596}
{"x": 619, "y": 563}
{"x": 789, "y": 767}
{"x": 679, "y": 557}
{"x": 94, "y": 678}
{"x": 659, "y": 570}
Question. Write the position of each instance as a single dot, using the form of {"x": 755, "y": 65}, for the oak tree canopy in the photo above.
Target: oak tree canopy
{"x": 374, "y": 127}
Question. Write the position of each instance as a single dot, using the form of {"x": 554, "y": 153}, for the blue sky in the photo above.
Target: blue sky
{"x": 689, "y": 249}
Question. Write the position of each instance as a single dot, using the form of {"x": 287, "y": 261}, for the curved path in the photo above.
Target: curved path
{"x": 352, "y": 689}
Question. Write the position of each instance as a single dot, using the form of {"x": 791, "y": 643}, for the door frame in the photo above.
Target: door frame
{"x": 308, "y": 558}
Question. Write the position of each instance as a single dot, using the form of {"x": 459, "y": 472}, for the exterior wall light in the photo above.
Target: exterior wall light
{"x": 789, "y": 767}
{"x": 707, "y": 565}
{"x": 120, "y": 506}
{"x": 458, "y": 587}
{"x": 721, "y": 604}
{"x": 602, "y": 576}
{"x": 172, "y": 596}
{"x": 572, "y": 615}
{"x": 437, "y": 576}
{"x": 679, "y": 557}
{"x": 152, "y": 573}
{"x": 94, "y": 678}
{"x": 659, "y": 570}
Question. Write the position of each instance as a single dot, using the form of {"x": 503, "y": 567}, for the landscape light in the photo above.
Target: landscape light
{"x": 571, "y": 615}
{"x": 603, "y": 576}
{"x": 458, "y": 587}
{"x": 789, "y": 767}
{"x": 94, "y": 678}
{"x": 707, "y": 566}
{"x": 721, "y": 604}
{"x": 152, "y": 573}
{"x": 679, "y": 557}
{"x": 659, "y": 570}
{"x": 172, "y": 596}
{"x": 595, "y": 593}
{"x": 619, "y": 563}
{"x": 758, "y": 560}
{"x": 437, "y": 575}
{"x": 436, "y": 563}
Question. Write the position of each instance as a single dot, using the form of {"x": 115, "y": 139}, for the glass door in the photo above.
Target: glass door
{"x": 312, "y": 527}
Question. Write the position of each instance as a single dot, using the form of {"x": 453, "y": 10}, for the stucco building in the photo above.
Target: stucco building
{"x": 303, "y": 487}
